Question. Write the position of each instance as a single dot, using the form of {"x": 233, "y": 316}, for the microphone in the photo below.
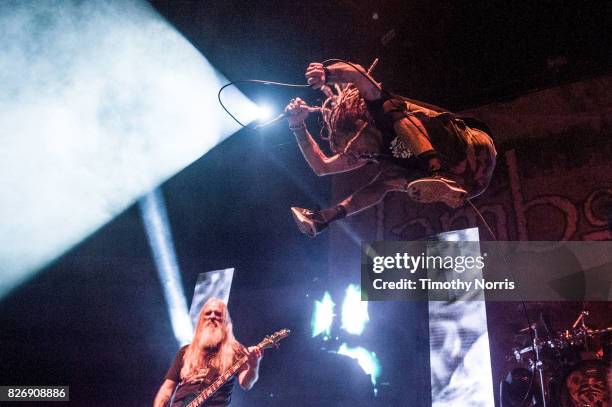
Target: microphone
{"x": 283, "y": 116}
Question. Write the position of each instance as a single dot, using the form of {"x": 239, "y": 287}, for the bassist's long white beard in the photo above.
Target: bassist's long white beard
{"x": 211, "y": 337}
{"x": 213, "y": 346}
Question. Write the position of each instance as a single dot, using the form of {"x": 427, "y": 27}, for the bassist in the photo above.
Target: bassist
{"x": 213, "y": 351}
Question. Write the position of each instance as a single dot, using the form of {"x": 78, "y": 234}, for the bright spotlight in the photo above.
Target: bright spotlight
{"x": 323, "y": 316}
{"x": 99, "y": 105}
{"x": 367, "y": 360}
{"x": 256, "y": 112}
{"x": 264, "y": 112}
{"x": 354, "y": 311}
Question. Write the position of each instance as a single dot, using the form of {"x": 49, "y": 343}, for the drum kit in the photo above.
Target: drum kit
{"x": 567, "y": 368}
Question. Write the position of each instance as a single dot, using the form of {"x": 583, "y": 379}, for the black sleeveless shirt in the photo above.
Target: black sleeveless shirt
{"x": 188, "y": 391}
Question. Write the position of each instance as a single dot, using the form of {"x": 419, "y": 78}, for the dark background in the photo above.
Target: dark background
{"x": 96, "y": 318}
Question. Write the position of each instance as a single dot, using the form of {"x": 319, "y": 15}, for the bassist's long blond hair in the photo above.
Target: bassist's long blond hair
{"x": 194, "y": 358}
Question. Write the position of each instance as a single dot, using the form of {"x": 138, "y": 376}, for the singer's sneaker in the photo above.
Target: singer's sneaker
{"x": 437, "y": 188}
{"x": 310, "y": 222}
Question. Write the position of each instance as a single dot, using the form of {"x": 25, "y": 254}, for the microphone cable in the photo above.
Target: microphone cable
{"x": 261, "y": 82}
{"x": 281, "y": 84}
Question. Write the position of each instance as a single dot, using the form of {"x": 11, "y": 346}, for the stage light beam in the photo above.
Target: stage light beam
{"x": 155, "y": 219}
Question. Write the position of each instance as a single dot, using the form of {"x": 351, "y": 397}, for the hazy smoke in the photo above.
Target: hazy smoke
{"x": 100, "y": 102}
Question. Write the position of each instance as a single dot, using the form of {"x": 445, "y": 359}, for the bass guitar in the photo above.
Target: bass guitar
{"x": 268, "y": 342}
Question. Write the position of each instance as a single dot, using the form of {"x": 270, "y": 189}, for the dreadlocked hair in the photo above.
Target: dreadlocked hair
{"x": 341, "y": 114}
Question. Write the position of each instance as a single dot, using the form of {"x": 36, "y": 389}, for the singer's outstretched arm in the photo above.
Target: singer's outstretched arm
{"x": 320, "y": 163}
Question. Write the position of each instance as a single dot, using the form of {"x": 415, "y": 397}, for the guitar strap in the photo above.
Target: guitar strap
{"x": 173, "y": 395}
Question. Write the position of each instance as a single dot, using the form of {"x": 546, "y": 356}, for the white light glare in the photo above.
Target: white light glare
{"x": 323, "y": 316}
{"x": 354, "y": 311}
{"x": 153, "y": 211}
{"x": 250, "y": 113}
{"x": 366, "y": 359}
{"x": 264, "y": 112}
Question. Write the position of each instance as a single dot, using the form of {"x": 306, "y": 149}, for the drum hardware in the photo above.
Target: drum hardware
{"x": 599, "y": 331}
{"x": 538, "y": 364}
{"x": 569, "y": 374}
{"x": 580, "y": 319}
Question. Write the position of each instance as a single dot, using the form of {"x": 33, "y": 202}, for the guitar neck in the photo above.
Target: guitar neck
{"x": 268, "y": 341}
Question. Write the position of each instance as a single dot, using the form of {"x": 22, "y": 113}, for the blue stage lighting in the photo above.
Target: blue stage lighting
{"x": 354, "y": 318}
{"x": 367, "y": 360}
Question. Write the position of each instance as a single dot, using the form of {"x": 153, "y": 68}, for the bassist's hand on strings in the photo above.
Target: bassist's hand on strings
{"x": 254, "y": 355}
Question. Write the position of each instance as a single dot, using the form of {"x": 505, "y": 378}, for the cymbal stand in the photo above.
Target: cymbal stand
{"x": 538, "y": 363}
